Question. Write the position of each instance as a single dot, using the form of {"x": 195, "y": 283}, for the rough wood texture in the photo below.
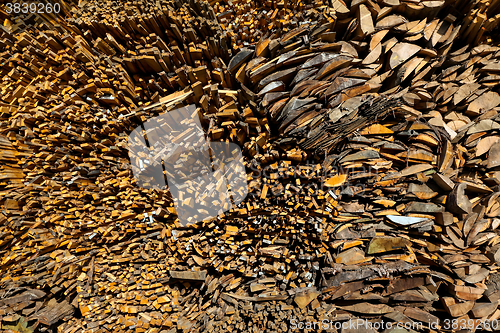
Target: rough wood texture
{"x": 370, "y": 135}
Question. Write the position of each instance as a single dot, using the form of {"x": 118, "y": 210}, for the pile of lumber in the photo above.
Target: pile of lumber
{"x": 370, "y": 132}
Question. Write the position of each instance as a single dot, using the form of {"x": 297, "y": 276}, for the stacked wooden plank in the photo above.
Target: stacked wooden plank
{"x": 370, "y": 133}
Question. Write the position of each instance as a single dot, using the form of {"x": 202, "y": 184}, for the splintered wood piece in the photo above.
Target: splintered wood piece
{"x": 483, "y": 103}
{"x": 477, "y": 277}
{"x": 444, "y": 182}
{"x": 494, "y": 156}
{"x": 457, "y": 201}
{"x": 482, "y": 310}
{"x": 258, "y": 298}
{"x": 342, "y": 83}
{"x": 367, "y": 308}
{"x": 422, "y": 207}
{"x": 402, "y": 284}
{"x": 351, "y": 256}
{"x": 276, "y": 86}
{"x": 494, "y": 253}
{"x": 338, "y": 62}
{"x": 374, "y": 55}
{"x": 188, "y": 275}
{"x": 54, "y": 312}
{"x": 419, "y": 315}
{"x": 456, "y": 309}
{"x": 429, "y": 29}
{"x": 411, "y": 170}
{"x": 444, "y": 218}
{"x": 389, "y": 22}
{"x": 469, "y": 222}
{"x": 376, "y": 40}
{"x": 365, "y": 20}
{"x": 262, "y": 48}
{"x": 484, "y": 144}
{"x": 483, "y": 126}
{"x": 284, "y": 76}
{"x": 238, "y": 60}
{"x": 406, "y": 220}
{"x": 375, "y": 129}
{"x": 417, "y": 29}
{"x": 319, "y": 60}
{"x": 28, "y": 295}
{"x": 446, "y": 157}
{"x": 466, "y": 293}
{"x": 386, "y": 244}
{"x": 422, "y": 191}
{"x": 337, "y": 180}
{"x": 401, "y": 52}
{"x": 302, "y": 299}
{"x": 361, "y": 155}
